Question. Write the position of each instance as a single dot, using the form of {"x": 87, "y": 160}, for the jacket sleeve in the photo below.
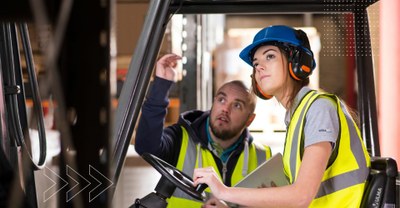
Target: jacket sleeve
{"x": 151, "y": 136}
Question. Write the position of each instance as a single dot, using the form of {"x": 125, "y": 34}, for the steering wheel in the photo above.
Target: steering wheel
{"x": 176, "y": 177}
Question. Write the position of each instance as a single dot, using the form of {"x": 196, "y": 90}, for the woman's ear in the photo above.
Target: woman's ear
{"x": 250, "y": 119}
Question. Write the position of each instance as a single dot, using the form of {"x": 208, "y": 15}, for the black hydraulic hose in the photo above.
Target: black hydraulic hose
{"x": 11, "y": 89}
{"x": 14, "y": 93}
{"x": 16, "y": 83}
{"x": 13, "y": 136}
{"x": 37, "y": 102}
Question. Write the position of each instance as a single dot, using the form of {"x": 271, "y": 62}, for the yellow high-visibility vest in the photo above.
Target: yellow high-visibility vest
{"x": 192, "y": 156}
{"x": 343, "y": 182}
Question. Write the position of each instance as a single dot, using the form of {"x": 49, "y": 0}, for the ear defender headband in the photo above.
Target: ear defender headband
{"x": 257, "y": 89}
{"x": 301, "y": 59}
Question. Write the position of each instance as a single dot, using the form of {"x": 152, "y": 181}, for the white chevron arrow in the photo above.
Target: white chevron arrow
{"x": 91, "y": 168}
{"x": 69, "y": 171}
{"x": 45, "y": 198}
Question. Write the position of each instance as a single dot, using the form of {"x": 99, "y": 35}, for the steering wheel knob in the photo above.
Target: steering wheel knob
{"x": 201, "y": 187}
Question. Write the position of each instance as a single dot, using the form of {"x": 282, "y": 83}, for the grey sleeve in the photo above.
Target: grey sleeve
{"x": 322, "y": 122}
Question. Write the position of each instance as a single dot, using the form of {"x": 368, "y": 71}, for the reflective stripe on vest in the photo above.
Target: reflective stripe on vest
{"x": 192, "y": 156}
{"x": 344, "y": 180}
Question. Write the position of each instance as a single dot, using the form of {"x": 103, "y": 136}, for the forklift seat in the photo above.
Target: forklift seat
{"x": 380, "y": 190}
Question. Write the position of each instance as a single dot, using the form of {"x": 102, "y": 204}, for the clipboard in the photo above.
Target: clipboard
{"x": 268, "y": 174}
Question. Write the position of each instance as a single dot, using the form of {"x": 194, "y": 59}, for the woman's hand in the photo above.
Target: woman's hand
{"x": 214, "y": 203}
{"x": 209, "y": 177}
{"x": 166, "y": 67}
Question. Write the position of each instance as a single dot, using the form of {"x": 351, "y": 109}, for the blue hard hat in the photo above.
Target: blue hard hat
{"x": 275, "y": 33}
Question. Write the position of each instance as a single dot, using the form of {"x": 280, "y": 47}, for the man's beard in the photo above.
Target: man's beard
{"x": 223, "y": 135}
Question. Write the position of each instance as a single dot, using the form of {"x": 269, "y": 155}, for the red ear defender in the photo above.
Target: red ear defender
{"x": 257, "y": 89}
{"x": 292, "y": 73}
{"x": 300, "y": 64}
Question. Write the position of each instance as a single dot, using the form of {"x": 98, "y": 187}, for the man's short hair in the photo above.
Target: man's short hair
{"x": 251, "y": 97}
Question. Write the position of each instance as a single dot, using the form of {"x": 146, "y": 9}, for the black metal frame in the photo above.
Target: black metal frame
{"x": 266, "y": 6}
{"x": 85, "y": 66}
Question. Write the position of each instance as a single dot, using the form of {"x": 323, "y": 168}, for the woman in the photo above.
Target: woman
{"x": 324, "y": 157}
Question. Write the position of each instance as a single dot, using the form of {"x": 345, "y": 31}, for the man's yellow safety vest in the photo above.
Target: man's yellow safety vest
{"x": 344, "y": 179}
{"x": 192, "y": 156}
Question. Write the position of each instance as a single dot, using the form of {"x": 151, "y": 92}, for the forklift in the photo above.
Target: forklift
{"x": 92, "y": 133}
{"x": 381, "y": 188}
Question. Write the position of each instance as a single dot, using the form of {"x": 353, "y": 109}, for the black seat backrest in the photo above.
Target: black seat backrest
{"x": 380, "y": 190}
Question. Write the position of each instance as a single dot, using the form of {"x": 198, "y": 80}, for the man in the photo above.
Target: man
{"x": 217, "y": 138}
